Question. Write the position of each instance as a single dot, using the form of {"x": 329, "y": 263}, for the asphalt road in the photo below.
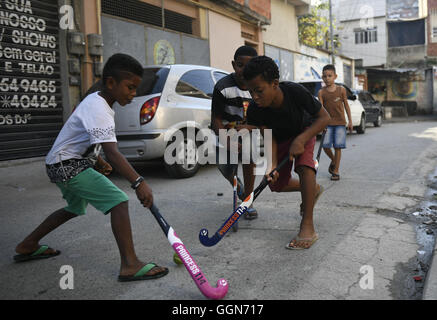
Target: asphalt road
{"x": 362, "y": 220}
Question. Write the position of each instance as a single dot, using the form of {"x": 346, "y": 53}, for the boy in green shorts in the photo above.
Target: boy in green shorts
{"x": 70, "y": 163}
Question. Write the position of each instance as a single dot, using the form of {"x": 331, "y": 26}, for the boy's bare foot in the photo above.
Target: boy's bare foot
{"x": 30, "y": 247}
{"x": 302, "y": 242}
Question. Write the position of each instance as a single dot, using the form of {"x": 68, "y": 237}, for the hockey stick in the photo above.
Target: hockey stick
{"x": 203, "y": 234}
{"x": 193, "y": 269}
{"x": 235, "y": 227}
{"x": 316, "y": 162}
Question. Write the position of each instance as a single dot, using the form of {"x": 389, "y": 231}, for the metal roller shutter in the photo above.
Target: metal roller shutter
{"x": 147, "y": 13}
{"x": 30, "y": 85}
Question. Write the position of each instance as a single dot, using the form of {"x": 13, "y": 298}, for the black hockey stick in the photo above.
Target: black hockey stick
{"x": 203, "y": 234}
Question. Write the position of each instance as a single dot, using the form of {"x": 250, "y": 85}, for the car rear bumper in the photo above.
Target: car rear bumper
{"x": 142, "y": 146}
{"x": 372, "y": 115}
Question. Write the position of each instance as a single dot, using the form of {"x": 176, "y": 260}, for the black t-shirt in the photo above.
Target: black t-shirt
{"x": 297, "y": 112}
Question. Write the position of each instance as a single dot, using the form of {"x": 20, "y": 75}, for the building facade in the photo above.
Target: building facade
{"x": 361, "y": 28}
{"x": 52, "y": 52}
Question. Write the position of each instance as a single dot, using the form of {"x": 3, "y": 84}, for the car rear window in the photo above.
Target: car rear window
{"x": 153, "y": 81}
{"x": 196, "y": 83}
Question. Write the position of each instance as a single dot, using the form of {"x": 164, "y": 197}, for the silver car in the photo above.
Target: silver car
{"x": 168, "y": 98}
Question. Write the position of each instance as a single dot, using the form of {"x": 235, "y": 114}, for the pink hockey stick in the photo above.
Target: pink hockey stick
{"x": 193, "y": 269}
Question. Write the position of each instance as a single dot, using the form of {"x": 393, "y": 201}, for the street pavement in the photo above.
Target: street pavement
{"x": 372, "y": 244}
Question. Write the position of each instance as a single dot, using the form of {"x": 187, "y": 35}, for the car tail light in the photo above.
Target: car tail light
{"x": 148, "y": 110}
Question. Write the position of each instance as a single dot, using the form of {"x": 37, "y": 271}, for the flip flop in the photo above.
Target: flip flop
{"x": 300, "y": 240}
{"x": 141, "y": 274}
{"x": 315, "y": 199}
{"x": 251, "y": 214}
{"x": 335, "y": 177}
{"x": 37, "y": 254}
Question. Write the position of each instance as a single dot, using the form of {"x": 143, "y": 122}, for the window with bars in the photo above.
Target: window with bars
{"x": 366, "y": 36}
{"x": 147, "y": 13}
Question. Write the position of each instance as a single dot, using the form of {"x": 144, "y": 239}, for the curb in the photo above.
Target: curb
{"x": 19, "y": 162}
{"x": 430, "y": 288}
{"x": 410, "y": 119}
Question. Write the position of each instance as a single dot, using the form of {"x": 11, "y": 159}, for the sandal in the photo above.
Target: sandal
{"x": 251, "y": 214}
{"x": 141, "y": 274}
{"x": 335, "y": 177}
{"x": 299, "y": 241}
{"x": 37, "y": 254}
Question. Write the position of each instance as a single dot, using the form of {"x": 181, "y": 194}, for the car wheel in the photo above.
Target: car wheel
{"x": 378, "y": 122}
{"x": 362, "y": 127}
{"x": 186, "y": 169}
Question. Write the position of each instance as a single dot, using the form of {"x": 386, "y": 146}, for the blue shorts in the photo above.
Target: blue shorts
{"x": 335, "y": 137}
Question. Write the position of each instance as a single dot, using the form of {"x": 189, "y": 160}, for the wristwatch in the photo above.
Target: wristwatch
{"x": 137, "y": 182}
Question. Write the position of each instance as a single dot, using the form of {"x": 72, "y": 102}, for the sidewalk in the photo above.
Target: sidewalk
{"x": 427, "y": 117}
{"x": 430, "y": 288}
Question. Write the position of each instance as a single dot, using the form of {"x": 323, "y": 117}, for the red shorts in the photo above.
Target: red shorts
{"x": 305, "y": 159}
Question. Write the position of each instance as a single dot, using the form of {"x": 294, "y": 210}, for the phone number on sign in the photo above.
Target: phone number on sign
{"x": 13, "y": 84}
{"x": 26, "y": 101}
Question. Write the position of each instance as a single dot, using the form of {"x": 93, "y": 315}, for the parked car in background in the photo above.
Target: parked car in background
{"x": 357, "y": 111}
{"x": 374, "y": 112}
{"x": 168, "y": 97}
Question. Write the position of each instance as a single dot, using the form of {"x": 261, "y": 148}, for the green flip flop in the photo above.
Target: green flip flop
{"x": 38, "y": 254}
{"x": 141, "y": 274}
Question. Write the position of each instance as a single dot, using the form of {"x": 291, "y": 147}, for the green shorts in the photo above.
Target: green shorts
{"x": 92, "y": 187}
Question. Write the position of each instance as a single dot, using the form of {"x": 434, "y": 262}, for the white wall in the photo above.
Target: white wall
{"x": 283, "y": 32}
{"x": 224, "y": 39}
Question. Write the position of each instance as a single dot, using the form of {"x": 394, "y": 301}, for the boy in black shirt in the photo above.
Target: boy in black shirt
{"x": 295, "y": 117}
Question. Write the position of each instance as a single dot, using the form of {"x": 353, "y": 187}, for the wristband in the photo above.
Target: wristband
{"x": 137, "y": 182}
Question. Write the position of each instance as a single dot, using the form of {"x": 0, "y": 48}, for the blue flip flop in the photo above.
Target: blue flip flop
{"x": 37, "y": 254}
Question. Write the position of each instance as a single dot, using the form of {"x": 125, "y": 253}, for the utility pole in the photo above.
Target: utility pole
{"x": 331, "y": 28}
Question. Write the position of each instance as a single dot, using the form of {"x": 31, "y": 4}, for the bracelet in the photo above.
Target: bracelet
{"x": 137, "y": 182}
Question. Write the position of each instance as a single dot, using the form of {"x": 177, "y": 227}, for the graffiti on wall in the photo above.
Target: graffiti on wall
{"x": 404, "y": 90}
{"x": 163, "y": 52}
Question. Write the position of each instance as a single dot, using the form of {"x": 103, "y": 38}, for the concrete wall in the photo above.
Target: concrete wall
{"x": 406, "y": 56}
{"x": 141, "y": 41}
{"x": 432, "y": 17}
{"x": 312, "y": 61}
{"x": 283, "y": 32}
{"x": 224, "y": 39}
